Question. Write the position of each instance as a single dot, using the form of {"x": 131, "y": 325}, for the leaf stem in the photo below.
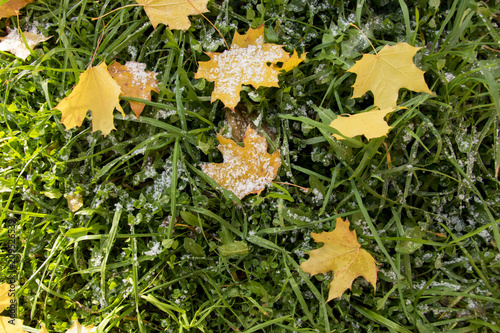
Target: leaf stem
{"x": 368, "y": 39}
{"x": 116, "y": 9}
{"x": 209, "y": 22}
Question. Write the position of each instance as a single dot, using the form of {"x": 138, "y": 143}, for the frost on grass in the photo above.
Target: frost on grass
{"x": 247, "y": 169}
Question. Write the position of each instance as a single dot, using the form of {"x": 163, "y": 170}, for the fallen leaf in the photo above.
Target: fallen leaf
{"x": 95, "y": 91}
{"x": 4, "y": 296}
{"x": 386, "y": 72}
{"x": 173, "y": 13}
{"x": 79, "y": 328}
{"x": 294, "y": 61}
{"x": 370, "y": 124}
{"x": 135, "y": 82}
{"x": 245, "y": 63}
{"x": 75, "y": 201}
{"x": 11, "y": 325}
{"x": 14, "y": 43}
{"x": 342, "y": 254}
{"x": 247, "y": 169}
{"x": 11, "y": 7}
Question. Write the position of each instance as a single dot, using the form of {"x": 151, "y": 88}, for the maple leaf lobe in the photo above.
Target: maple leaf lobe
{"x": 386, "y": 72}
{"x": 11, "y": 7}
{"x": 134, "y": 81}
{"x": 371, "y": 124}
{"x": 342, "y": 254}
{"x": 173, "y": 13}
{"x": 245, "y": 170}
{"x": 96, "y": 91}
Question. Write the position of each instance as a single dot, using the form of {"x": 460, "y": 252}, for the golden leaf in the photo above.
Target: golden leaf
{"x": 386, "y": 72}
{"x": 245, "y": 63}
{"x": 294, "y": 61}
{"x": 342, "y": 254}
{"x": 11, "y": 325}
{"x": 135, "y": 82}
{"x": 14, "y": 44}
{"x": 96, "y": 91}
{"x": 12, "y": 7}
{"x": 75, "y": 201}
{"x": 247, "y": 169}
{"x": 79, "y": 328}
{"x": 4, "y": 296}
{"x": 370, "y": 124}
{"x": 173, "y": 13}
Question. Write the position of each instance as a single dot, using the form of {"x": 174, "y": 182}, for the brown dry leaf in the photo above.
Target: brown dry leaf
{"x": 247, "y": 169}
{"x": 96, "y": 91}
{"x": 386, "y": 72}
{"x": 11, "y": 7}
{"x": 238, "y": 120}
{"x": 135, "y": 81}
{"x": 245, "y": 63}
{"x": 173, "y": 13}
{"x": 342, "y": 254}
{"x": 79, "y": 328}
{"x": 14, "y": 43}
{"x": 370, "y": 124}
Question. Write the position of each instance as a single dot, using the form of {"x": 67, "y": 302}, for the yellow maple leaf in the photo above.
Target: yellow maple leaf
{"x": 11, "y": 325}
{"x": 79, "y": 328}
{"x": 14, "y": 43}
{"x": 246, "y": 62}
{"x": 247, "y": 169}
{"x": 386, "y": 72}
{"x": 95, "y": 91}
{"x": 294, "y": 61}
{"x": 342, "y": 254}
{"x": 135, "y": 82}
{"x": 4, "y": 296}
{"x": 173, "y": 13}
{"x": 12, "y": 7}
{"x": 370, "y": 124}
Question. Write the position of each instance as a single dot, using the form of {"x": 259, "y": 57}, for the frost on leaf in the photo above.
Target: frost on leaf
{"x": 370, "y": 124}
{"x": 342, "y": 254}
{"x": 173, "y": 13}
{"x": 11, "y": 7}
{"x": 386, "y": 72}
{"x": 14, "y": 43}
{"x": 135, "y": 81}
{"x": 96, "y": 91}
{"x": 247, "y": 169}
{"x": 245, "y": 63}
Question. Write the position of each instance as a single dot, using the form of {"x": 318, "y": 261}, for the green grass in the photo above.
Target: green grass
{"x": 424, "y": 200}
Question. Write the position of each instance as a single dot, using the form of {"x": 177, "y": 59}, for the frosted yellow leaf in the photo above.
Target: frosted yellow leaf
{"x": 245, "y": 63}
{"x": 11, "y": 325}
{"x": 12, "y": 7}
{"x": 386, "y": 72}
{"x": 294, "y": 61}
{"x": 135, "y": 81}
{"x": 247, "y": 169}
{"x": 79, "y": 328}
{"x": 75, "y": 201}
{"x": 370, "y": 124}
{"x": 173, "y": 13}
{"x": 342, "y": 254}
{"x": 14, "y": 44}
{"x": 4, "y": 296}
{"x": 96, "y": 91}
